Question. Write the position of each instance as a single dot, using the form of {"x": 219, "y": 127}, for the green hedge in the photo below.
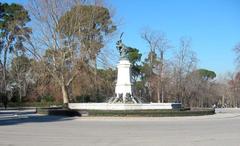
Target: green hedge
{"x": 151, "y": 113}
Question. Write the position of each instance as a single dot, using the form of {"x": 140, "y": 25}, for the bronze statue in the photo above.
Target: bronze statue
{"x": 122, "y": 48}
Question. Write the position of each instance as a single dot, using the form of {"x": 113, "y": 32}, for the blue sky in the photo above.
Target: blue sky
{"x": 212, "y": 25}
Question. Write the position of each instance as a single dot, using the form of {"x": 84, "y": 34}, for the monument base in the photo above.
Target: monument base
{"x": 121, "y": 106}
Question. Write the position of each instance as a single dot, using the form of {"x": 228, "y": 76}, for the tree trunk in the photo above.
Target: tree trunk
{"x": 158, "y": 92}
{"x": 4, "y": 71}
{"x": 19, "y": 87}
{"x": 4, "y": 80}
{"x": 162, "y": 95}
{"x": 65, "y": 95}
{"x": 96, "y": 80}
{"x": 161, "y": 75}
{"x": 20, "y": 93}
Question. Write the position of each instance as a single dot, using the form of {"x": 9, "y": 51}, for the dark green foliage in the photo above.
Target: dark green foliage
{"x": 134, "y": 57}
{"x": 148, "y": 64}
{"x": 47, "y": 98}
{"x": 89, "y": 98}
{"x": 13, "y": 12}
{"x": 206, "y": 74}
{"x": 4, "y": 99}
{"x": 106, "y": 79}
{"x": 13, "y": 30}
{"x": 107, "y": 74}
{"x": 83, "y": 98}
{"x": 15, "y": 97}
{"x": 3, "y": 95}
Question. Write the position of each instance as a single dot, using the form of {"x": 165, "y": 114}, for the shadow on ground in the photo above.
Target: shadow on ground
{"x": 24, "y": 118}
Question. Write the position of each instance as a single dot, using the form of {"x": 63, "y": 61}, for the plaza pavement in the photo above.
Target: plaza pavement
{"x": 24, "y": 128}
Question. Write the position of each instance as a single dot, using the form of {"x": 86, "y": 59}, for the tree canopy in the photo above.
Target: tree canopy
{"x": 13, "y": 30}
{"x": 89, "y": 24}
{"x": 206, "y": 74}
{"x": 13, "y": 33}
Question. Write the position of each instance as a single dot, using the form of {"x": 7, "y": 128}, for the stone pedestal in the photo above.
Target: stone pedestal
{"x": 123, "y": 88}
{"x": 124, "y": 85}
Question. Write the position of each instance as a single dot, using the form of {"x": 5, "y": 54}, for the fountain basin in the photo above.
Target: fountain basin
{"x": 122, "y": 106}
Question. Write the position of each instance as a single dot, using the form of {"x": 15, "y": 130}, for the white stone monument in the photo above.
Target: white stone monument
{"x": 124, "y": 85}
{"x": 123, "y": 100}
{"x": 123, "y": 89}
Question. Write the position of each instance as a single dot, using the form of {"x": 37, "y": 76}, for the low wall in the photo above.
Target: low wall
{"x": 108, "y": 106}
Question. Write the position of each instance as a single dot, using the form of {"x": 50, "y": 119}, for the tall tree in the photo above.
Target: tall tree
{"x": 72, "y": 34}
{"x": 134, "y": 57}
{"x": 158, "y": 44}
{"x": 95, "y": 24}
{"x": 13, "y": 34}
{"x": 89, "y": 24}
{"x": 21, "y": 75}
{"x": 199, "y": 85}
{"x": 183, "y": 64}
{"x": 234, "y": 89}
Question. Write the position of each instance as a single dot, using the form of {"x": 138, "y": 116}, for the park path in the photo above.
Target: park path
{"x": 33, "y": 130}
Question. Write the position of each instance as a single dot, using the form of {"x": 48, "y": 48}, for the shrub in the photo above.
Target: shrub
{"x": 88, "y": 98}
{"x": 100, "y": 98}
{"x": 82, "y": 98}
{"x": 3, "y": 96}
{"x": 47, "y": 98}
{"x": 15, "y": 97}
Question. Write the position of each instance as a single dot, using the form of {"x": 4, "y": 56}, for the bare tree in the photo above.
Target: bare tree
{"x": 184, "y": 63}
{"x": 237, "y": 51}
{"x": 66, "y": 37}
{"x": 233, "y": 89}
{"x": 158, "y": 44}
{"x": 234, "y": 81}
{"x": 61, "y": 56}
{"x": 152, "y": 39}
{"x": 162, "y": 47}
